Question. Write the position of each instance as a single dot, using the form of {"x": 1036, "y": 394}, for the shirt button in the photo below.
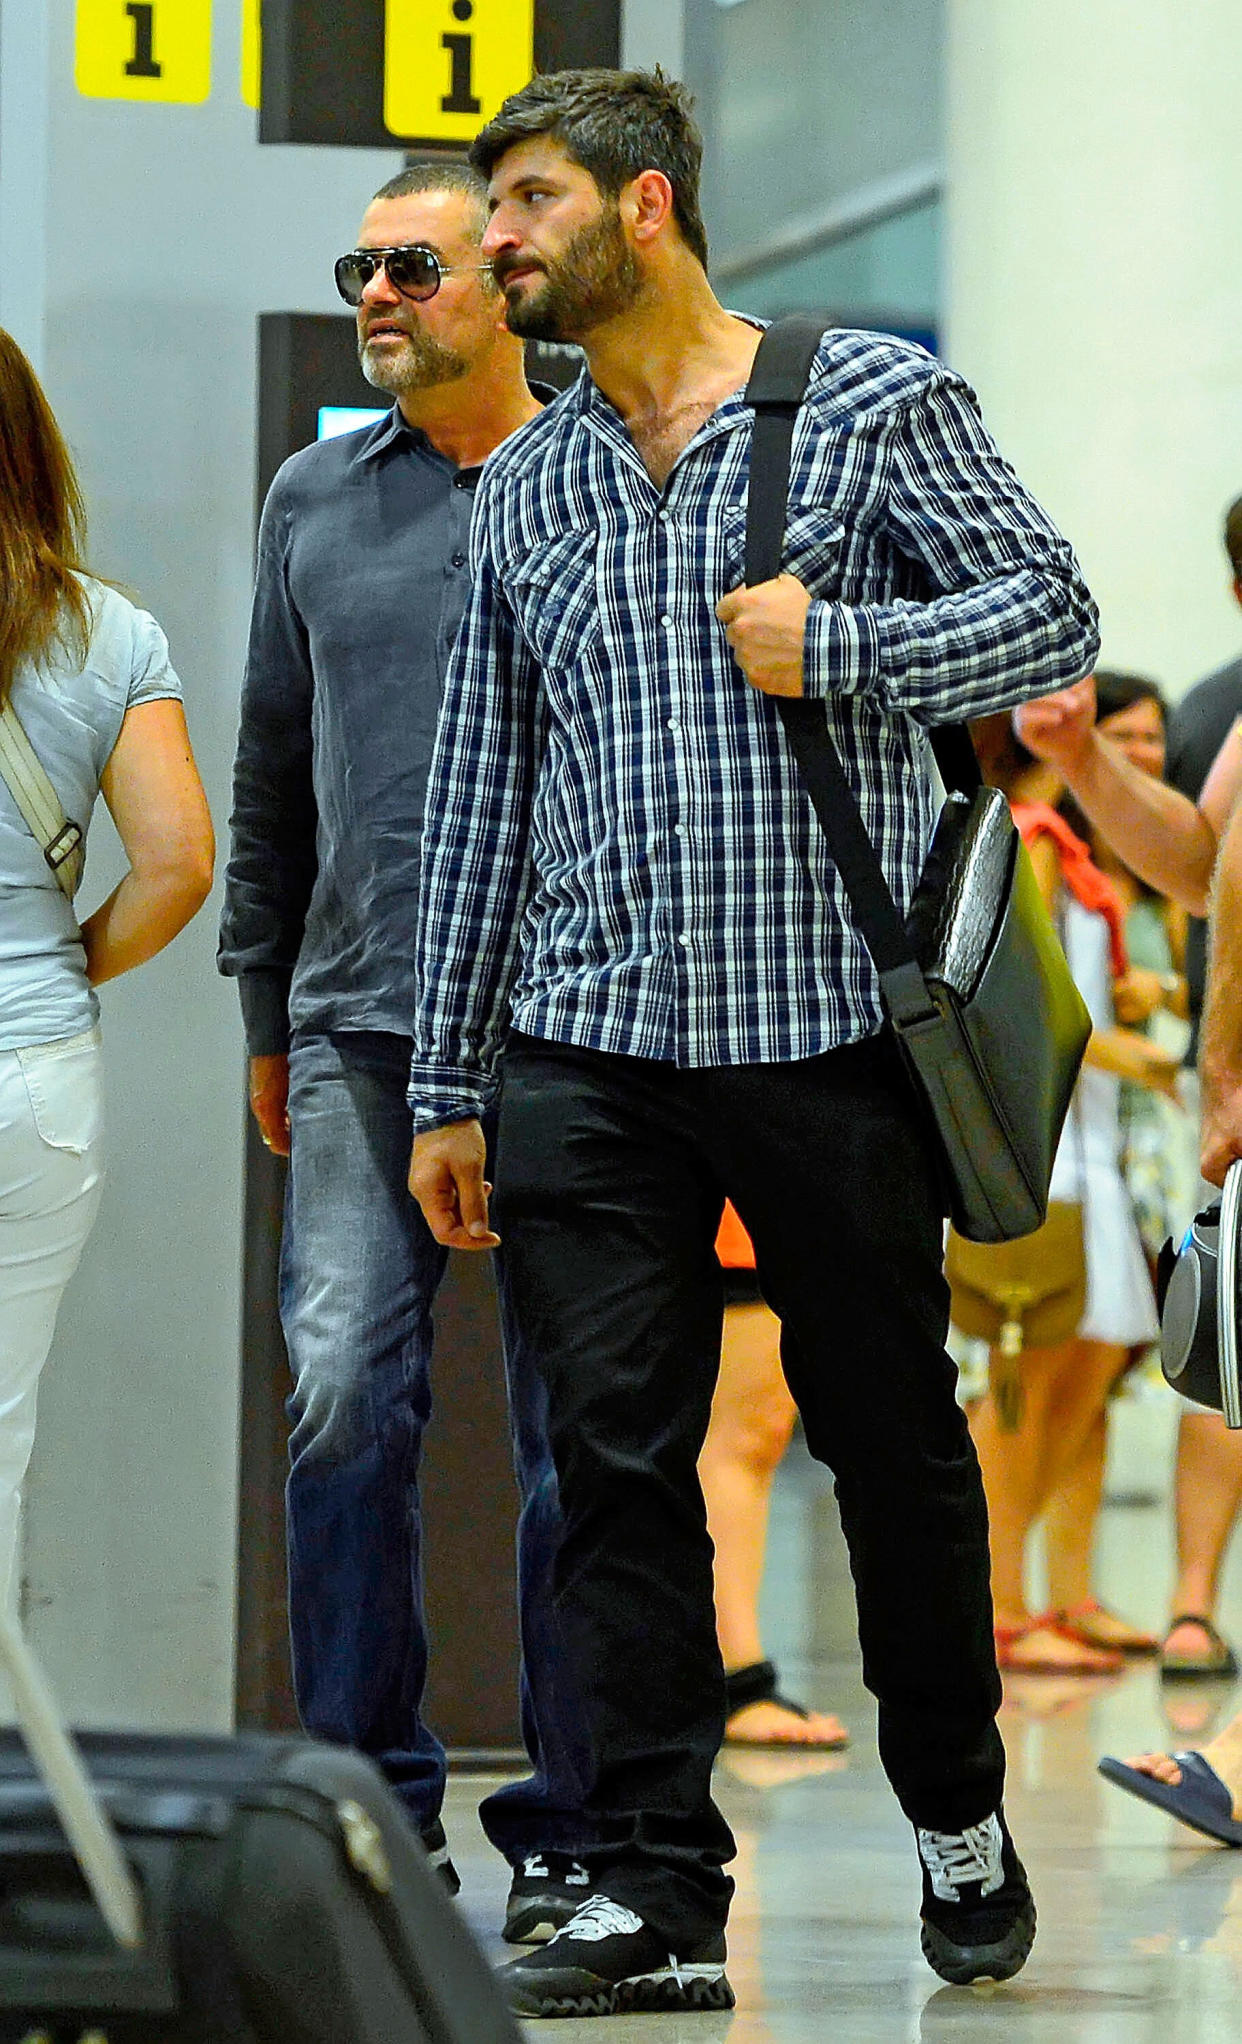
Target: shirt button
{"x": 459, "y": 560}
{"x": 679, "y": 830}
{"x": 684, "y": 940}
{"x": 667, "y": 622}
{"x": 674, "y": 723}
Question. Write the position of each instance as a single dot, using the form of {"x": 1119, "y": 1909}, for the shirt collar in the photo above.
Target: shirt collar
{"x": 393, "y": 428}
{"x": 391, "y": 431}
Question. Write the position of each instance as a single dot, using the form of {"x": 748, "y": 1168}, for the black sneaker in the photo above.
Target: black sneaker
{"x": 435, "y": 1845}
{"x": 548, "y": 1888}
{"x": 978, "y": 1910}
{"x": 605, "y": 1961}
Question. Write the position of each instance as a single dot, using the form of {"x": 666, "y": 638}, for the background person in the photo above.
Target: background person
{"x": 1204, "y": 1786}
{"x": 88, "y": 675}
{"x": 1057, "y": 1446}
{"x": 690, "y": 1011}
{"x": 1207, "y": 1488}
{"x": 1160, "y": 1142}
{"x": 362, "y": 577}
{"x": 751, "y": 1426}
{"x": 1170, "y": 835}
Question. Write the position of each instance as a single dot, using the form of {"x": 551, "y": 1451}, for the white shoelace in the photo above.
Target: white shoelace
{"x": 535, "y": 1868}
{"x": 953, "y": 1858}
{"x": 598, "y": 1919}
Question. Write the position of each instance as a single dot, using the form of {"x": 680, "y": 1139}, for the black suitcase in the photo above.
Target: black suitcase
{"x": 283, "y": 1896}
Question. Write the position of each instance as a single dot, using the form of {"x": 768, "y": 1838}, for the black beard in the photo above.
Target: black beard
{"x": 595, "y": 280}
{"x": 424, "y": 365}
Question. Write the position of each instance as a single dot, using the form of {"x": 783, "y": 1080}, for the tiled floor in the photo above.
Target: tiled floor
{"x": 1140, "y": 1923}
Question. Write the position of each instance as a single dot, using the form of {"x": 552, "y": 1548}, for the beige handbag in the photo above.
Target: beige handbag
{"x": 1031, "y": 1293}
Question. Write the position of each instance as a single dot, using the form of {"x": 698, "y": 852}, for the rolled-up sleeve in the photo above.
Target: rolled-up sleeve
{"x": 476, "y": 853}
{"x": 272, "y": 863}
{"x": 1006, "y": 614}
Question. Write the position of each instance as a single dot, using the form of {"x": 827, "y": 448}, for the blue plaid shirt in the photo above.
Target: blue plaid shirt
{"x": 618, "y": 850}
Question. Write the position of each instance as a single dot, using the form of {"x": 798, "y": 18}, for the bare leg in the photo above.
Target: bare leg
{"x": 751, "y": 1423}
{"x": 1070, "y": 1523}
{"x": 1208, "y": 1494}
{"x": 1064, "y": 1391}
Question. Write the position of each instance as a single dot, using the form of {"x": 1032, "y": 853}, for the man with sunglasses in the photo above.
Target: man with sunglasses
{"x": 362, "y": 576}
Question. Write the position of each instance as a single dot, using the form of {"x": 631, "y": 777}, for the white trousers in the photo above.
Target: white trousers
{"x": 51, "y": 1175}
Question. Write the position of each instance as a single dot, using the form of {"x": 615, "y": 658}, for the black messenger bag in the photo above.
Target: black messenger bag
{"x": 204, "y": 1890}
{"x": 974, "y": 982}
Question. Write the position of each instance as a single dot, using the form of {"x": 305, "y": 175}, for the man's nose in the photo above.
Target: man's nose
{"x": 499, "y": 233}
{"x": 377, "y": 290}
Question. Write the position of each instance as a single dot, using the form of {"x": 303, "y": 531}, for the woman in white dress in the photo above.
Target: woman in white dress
{"x": 1055, "y": 1449}
{"x": 86, "y": 675}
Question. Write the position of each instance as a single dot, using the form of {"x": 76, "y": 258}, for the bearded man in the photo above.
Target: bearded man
{"x": 626, "y": 885}
{"x": 362, "y": 578}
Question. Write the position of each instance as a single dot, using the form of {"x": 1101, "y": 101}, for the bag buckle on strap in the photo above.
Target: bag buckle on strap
{"x": 911, "y": 1008}
{"x": 63, "y": 846}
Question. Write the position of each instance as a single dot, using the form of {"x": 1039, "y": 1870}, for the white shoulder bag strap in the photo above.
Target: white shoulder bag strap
{"x": 26, "y": 779}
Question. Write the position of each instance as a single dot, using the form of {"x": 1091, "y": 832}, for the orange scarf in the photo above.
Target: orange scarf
{"x": 1078, "y": 870}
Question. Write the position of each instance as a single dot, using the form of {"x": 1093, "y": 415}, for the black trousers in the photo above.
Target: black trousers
{"x": 611, "y": 1174}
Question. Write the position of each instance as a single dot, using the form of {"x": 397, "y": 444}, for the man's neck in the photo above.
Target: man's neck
{"x": 466, "y": 420}
{"x": 674, "y": 344}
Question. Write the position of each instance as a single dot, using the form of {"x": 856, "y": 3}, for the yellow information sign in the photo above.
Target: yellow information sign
{"x": 251, "y": 53}
{"x": 448, "y": 64}
{"x": 144, "y": 49}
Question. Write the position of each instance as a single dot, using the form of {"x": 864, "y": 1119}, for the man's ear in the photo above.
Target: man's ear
{"x": 1237, "y": 589}
{"x": 646, "y": 202}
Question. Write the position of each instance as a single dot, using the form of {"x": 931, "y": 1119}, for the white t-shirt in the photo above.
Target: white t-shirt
{"x": 72, "y": 716}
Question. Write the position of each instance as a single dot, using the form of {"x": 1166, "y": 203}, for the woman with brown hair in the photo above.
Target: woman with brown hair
{"x": 88, "y": 704}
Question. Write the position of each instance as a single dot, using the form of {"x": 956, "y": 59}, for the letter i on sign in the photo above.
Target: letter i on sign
{"x": 143, "y": 49}
{"x": 448, "y": 64}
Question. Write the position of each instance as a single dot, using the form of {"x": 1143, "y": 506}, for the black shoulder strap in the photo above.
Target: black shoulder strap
{"x": 778, "y": 380}
{"x": 776, "y": 387}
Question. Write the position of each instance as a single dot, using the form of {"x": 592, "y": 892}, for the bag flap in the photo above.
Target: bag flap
{"x": 963, "y": 892}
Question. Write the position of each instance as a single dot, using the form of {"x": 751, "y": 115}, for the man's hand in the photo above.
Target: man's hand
{"x": 765, "y": 627}
{"x": 446, "y": 1178}
{"x": 269, "y": 1100}
{"x": 1220, "y": 1138}
{"x": 1059, "y": 728}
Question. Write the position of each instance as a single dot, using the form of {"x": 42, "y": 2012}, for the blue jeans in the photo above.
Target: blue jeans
{"x": 359, "y": 1273}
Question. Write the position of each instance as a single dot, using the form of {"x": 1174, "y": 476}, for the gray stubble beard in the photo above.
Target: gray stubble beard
{"x": 422, "y": 365}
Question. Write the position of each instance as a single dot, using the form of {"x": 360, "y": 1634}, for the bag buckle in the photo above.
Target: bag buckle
{"x": 911, "y": 1008}
{"x": 63, "y": 845}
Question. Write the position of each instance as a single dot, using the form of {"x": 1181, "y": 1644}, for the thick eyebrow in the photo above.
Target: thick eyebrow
{"x": 523, "y": 184}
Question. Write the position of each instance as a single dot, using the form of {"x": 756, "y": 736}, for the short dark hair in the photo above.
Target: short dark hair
{"x": 1233, "y": 537}
{"x": 441, "y": 175}
{"x": 1115, "y": 691}
{"x": 614, "y": 124}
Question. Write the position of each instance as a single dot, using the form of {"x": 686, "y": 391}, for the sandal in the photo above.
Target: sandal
{"x": 1092, "y": 1661}
{"x": 1076, "y": 1624}
{"x": 1220, "y": 1661}
{"x": 758, "y": 1684}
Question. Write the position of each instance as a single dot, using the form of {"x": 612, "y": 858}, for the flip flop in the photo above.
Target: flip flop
{"x": 759, "y": 1684}
{"x": 1075, "y": 1623}
{"x": 1200, "y": 1799}
{"x": 1101, "y": 1661}
{"x": 1220, "y": 1661}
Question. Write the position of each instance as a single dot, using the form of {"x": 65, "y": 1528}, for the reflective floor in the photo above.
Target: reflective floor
{"x": 1140, "y": 1938}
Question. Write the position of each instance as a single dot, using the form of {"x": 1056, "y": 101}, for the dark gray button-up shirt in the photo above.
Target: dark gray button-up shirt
{"x": 361, "y": 582}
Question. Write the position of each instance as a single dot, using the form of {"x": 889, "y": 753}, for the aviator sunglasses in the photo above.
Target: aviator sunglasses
{"x": 414, "y": 271}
